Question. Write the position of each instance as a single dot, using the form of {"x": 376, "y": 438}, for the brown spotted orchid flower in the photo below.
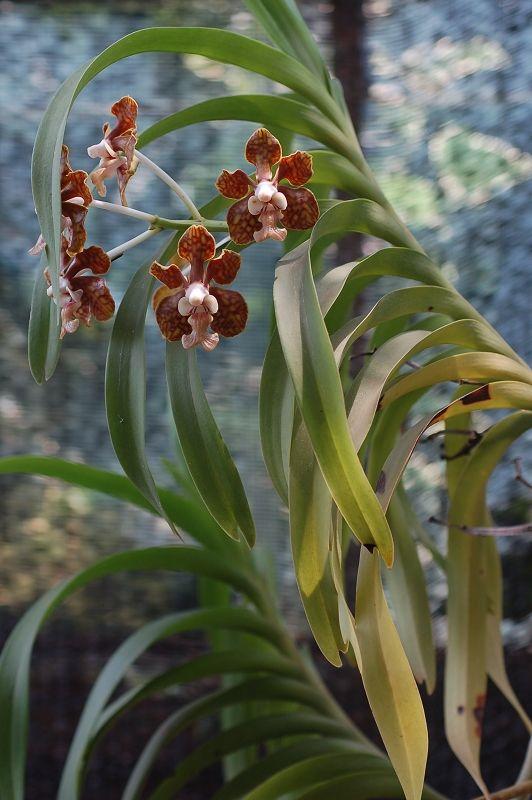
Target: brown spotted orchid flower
{"x": 75, "y": 201}
{"x": 265, "y": 207}
{"x": 116, "y": 151}
{"x": 83, "y": 293}
{"x": 189, "y": 307}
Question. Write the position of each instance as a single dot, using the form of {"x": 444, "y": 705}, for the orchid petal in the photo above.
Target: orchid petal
{"x": 232, "y": 314}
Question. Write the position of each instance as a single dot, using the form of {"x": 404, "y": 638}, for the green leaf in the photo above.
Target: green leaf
{"x": 16, "y": 654}
{"x": 117, "y": 666}
{"x": 264, "y": 109}
{"x": 276, "y": 412}
{"x": 265, "y": 728}
{"x": 270, "y": 688}
{"x": 287, "y": 30}
{"x": 370, "y": 778}
{"x": 310, "y": 529}
{"x": 44, "y": 343}
{"x": 476, "y": 367}
{"x": 501, "y": 394}
{"x": 125, "y": 384}
{"x": 184, "y": 512}
{"x": 210, "y": 464}
{"x": 277, "y": 761}
{"x": 388, "y": 680}
{"x": 409, "y": 600}
{"x": 310, "y": 360}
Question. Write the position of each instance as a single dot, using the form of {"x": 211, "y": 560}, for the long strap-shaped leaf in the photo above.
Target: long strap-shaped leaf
{"x": 15, "y": 658}
{"x": 276, "y": 762}
{"x": 209, "y": 462}
{"x": 117, "y": 666}
{"x": 310, "y": 360}
{"x": 125, "y": 384}
{"x": 265, "y": 728}
{"x": 310, "y": 523}
{"x": 183, "y": 511}
{"x": 388, "y": 680}
{"x": 469, "y": 596}
{"x": 267, "y": 688}
{"x": 44, "y": 343}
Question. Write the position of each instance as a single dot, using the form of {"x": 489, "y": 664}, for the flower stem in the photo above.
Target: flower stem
{"x": 174, "y": 186}
{"x": 122, "y": 248}
{"x": 125, "y": 210}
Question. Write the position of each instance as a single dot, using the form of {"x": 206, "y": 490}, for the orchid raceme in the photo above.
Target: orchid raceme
{"x": 116, "y": 150}
{"x": 191, "y": 308}
{"x": 266, "y": 207}
{"x": 83, "y": 292}
{"x": 75, "y": 201}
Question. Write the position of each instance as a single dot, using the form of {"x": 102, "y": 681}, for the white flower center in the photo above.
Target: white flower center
{"x": 264, "y": 191}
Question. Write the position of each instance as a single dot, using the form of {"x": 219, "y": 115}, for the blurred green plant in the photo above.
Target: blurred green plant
{"x": 335, "y": 446}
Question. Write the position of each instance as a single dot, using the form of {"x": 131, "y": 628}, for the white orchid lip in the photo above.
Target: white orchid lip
{"x": 196, "y": 293}
{"x": 265, "y": 190}
{"x": 76, "y": 201}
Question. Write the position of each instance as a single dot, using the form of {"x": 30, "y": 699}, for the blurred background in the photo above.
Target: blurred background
{"x": 440, "y": 90}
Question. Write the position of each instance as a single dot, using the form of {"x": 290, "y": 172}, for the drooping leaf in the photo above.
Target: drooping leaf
{"x": 310, "y": 523}
{"x": 125, "y": 384}
{"x": 210, "y": 464}
{"x": 388, "y": 680}
{"x": 43, "y": 334}
{"x": 310, "y": 361}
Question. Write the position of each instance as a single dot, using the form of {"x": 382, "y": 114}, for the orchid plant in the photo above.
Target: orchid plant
{"x": 336, "y": 445}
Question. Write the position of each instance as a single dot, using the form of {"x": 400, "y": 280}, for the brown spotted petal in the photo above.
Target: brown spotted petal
{"x": 263, "y": 150}
{"x": 93, "y": 258}
{"x": 232, "y": 314}
{"x": 233, "y": 184}
{"x": 124, "y": 135}
{"x": 172, "y": 324}
{"x": 242, "y": 224}
{"x": 75, "y": 201}
{"x": 302, "y": 210}
{"x": 96, "y": 301}
{"x": 295, "y": 168}
{"x": 171, "y": 275}
{"x": 224, "y": 268}
{"x": 197, "y": 245}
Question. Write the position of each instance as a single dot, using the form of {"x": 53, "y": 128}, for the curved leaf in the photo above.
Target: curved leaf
{"x": 264, "y": 109}
{"x": 44, "y": 343}
{"x": 209, "y": 462}
{"x": 16, "y": 654}
{"x": 310, "y": 526}
{"x": 310, "y": 360}
{"x": 388, "y": 680}
{"x": 125, "y": 384}
{"x": 117, "y": 666}
{"x": 409, "y": 599}
{"x": 275, "y": 726}
{"x": 276, "y": 411}
{"x": 269, "y": 688}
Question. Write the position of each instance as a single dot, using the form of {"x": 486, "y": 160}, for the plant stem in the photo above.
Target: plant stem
{"x": 122, "y": 248}
{"x": 161, "y": 222}
{"x": 174, "y": 186}
{"x": 517, "y": 790}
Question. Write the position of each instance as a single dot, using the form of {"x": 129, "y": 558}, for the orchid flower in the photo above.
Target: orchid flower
{"x": 190, "y": 308}
{"x": 265, "y": 207}
{"x": 83, "y": 292}
{"x": 116, "y": 150}
{"x": 75, "y": 201}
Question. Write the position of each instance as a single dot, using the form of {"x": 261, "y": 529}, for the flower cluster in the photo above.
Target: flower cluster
{"x": 265, "y": 207}
{"x": 189, "y": 307}
{"x": 83, "y": 293}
